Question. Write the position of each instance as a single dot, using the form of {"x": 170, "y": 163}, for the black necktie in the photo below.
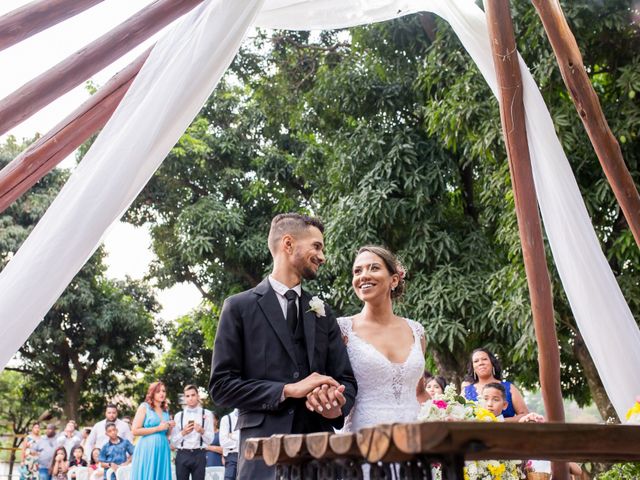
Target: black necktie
{"x": 292, "y": 309}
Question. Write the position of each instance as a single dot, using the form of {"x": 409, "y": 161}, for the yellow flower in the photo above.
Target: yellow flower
{"x": 466, "y": 475}
{"x": 496, "y": 471}
{"x": 485, "y": 415}
{"x": 634, "y": 410}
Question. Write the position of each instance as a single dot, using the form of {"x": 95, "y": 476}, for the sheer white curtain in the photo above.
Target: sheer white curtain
{"x": 176, "y": 80}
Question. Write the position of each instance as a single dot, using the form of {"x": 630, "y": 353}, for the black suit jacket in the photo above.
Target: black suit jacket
{"x": 253, "y": 358}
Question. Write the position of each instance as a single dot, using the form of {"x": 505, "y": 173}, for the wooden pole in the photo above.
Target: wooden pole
{"x": 36, "y": 161}
{"x": 34, "y": 17}
{"x": 89, "y": 60}
{"x": 505, "y": 59}
{"x": 588, "y": 106}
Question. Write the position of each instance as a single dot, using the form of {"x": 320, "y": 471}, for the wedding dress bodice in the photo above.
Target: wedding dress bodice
{"x": 386, "y": 390}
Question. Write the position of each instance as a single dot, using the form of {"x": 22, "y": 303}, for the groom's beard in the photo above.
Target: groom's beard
{"x": 309, "y": 274}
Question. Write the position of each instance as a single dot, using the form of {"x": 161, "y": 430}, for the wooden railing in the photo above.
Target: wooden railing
{"x": 409, "y": 450}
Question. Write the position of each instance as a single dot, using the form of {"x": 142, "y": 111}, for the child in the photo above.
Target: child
{"x": 495, "y": 400}
{"x": 59, "y": 465}
{"x": 76, "y": 461}
{"x": 116, "y": 452}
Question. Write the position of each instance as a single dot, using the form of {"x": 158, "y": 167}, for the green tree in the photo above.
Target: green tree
{"x": 22, "y": 403}
{"x": 97, "y": 331}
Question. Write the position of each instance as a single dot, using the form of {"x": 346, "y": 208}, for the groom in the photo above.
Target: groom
{"x": 275, "y": 344}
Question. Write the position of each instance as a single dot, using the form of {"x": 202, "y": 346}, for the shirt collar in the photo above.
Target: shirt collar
{"x": 191, "y": 410}
{"x": 281, "y": 288}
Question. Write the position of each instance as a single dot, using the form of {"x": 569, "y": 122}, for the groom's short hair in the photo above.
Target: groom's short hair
{"x": 291, "y": 223}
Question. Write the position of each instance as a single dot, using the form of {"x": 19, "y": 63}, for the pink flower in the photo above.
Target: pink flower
{"x": 440, "y": 404}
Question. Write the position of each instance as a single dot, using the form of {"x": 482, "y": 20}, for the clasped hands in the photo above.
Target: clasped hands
{"x": 323, "y": 394}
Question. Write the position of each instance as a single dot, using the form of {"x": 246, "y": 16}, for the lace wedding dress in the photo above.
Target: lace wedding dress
{"x": 386, "y": 390}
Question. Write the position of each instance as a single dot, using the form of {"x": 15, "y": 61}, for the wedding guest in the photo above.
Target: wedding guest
{"x": 77, "y": 460}
{"x": 386, "y": 351}
{"x": 29, "y": 459}
{"x": 229, "y": 441}
{"x": 70, "y": 437}
{"x": 485, "y": 368}
{"x": 421, "y": 389}
{"x": 435, "y": 386}
{"x": 116, "y": 452}
{"x": 192, "y": 433}
{"x": 214, "y": 450}
{"x": 152, "y": 456}
{"x": 97, "y": 472}
{"x": 85, "y": 438}
{"x": 45, "y": 448}
{"x": 98, "y": 436}
{"x": 59, "y": 465}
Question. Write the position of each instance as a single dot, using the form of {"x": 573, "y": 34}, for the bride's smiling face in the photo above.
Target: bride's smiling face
{"x": 371, "y": 278}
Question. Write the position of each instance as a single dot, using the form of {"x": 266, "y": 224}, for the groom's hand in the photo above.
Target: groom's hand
{"x": 308, "y": 384}
{"x": 327, "y": 400}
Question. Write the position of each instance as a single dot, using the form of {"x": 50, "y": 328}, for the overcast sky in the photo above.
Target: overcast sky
{"x": 128, "y": 247}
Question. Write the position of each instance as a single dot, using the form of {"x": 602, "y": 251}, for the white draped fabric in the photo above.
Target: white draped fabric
{"x": 182, "y": 71}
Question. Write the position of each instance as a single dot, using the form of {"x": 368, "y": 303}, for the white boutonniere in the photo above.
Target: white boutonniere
{"x": 317, "y": 306}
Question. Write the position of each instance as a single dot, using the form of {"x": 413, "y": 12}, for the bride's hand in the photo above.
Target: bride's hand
{"x": 326, "y": 400}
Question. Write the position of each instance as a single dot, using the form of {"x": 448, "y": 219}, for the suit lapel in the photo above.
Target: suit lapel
{"x": 309, "y": 319}
{"x": 270, "y": 307}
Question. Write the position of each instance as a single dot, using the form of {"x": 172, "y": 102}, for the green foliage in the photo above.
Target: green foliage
{"x": 98, "y": 331}
{"x": 389, "y": 133}
{"x": 621, "y": 471}
{"x": 188, "y": 361}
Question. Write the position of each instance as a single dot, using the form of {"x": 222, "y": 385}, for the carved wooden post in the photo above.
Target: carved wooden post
{"x": 588, "y": 106}
{"x": 505, "y": 59}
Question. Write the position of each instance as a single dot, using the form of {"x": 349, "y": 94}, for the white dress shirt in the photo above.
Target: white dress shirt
{"x": 229, "y": 436}
{"x": 281, "y": 289}
{"x": 98, "y": 436}
{"x": 69, "y": 442}
{"x": 201, "y": 417}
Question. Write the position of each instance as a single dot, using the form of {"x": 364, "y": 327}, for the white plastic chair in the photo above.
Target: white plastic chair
{"x": 214, "y": 473}
{"x": 82, "y": 473}
{"x": 123, "y": 473}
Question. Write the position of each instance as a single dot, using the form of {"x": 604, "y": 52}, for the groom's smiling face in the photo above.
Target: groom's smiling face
{"x": 308, "y": 253}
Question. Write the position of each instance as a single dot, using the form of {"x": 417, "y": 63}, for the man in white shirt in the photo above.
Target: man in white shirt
{"x": 98, "y": 436}
{"x": 69, "y": 438}
{"x": 229, "y": 441}
{"x": 191, "y": 435}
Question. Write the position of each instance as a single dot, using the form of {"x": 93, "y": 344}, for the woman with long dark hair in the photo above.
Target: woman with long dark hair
{"x": 152, "y": 455}
{"x": 485, "y": 368}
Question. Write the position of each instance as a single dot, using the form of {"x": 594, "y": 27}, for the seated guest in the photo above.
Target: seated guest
{"x": 421, "y": 389}
{"x": 485, "y": 368}
{"x": 76, "y": 460}
{"x": 116, "y": 452}
{"x": 59, "y": 465}
{"x": 96, "y": 470}
{"x": 435, "y": 386}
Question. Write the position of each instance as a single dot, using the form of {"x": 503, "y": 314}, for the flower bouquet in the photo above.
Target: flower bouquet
{"x": 450, "y": 406}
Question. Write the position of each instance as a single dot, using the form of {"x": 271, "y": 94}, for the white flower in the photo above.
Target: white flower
{"x": 317, "y": 306}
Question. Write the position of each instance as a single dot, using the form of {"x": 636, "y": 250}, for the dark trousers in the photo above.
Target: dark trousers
{"x": 191, "y": 462}
{"x": 230, "y": 466}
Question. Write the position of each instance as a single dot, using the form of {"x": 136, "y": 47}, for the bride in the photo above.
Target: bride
{"x": 386, "y": 351}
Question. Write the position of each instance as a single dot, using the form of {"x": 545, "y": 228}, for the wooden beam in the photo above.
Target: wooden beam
{"x": 36, "y": 161}
{"x": 590, "y": 112}
{"x": 89, "y": 60}
{"x": 512, "y": 115}
{"x": 36, "y": 16}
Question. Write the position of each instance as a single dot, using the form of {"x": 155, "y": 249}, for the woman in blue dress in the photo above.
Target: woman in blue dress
{"x": 485, "y": 368}
{"x": 152, "y": 455}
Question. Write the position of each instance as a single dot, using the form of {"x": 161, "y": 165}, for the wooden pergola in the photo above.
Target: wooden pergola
{"x": 43, "y": 155}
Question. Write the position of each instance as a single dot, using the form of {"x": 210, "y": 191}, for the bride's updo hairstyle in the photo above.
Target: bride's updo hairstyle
{"x": 394, "y": 266}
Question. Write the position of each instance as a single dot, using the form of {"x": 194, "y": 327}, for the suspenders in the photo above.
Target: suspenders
{"x": 182, "y": 425}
